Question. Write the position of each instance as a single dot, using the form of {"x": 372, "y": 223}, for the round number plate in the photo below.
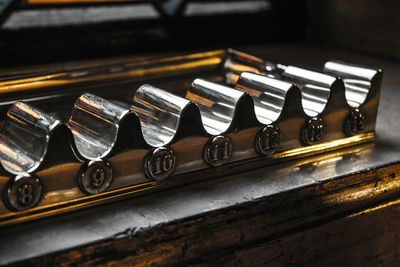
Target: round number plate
{"x": 218, "y": 150}
{"x": 267, "y": 140}
{"x": 95, "y": 177}
{"x": 313, "y": 131}
{"x": 159, "y": 163}
{"x": 23, "y": 192}
{"x": 354, "y": 123}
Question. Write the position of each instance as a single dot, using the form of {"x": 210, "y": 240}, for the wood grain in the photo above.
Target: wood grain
{"x": 261, "y": 228}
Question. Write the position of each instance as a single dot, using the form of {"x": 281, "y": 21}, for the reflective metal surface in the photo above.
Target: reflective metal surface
{"x": 268, "y": 140}
{"x": 217, "y": 105}
{"x": 357, "y": 79}
{"x": 95, "y": 177}
{"x": 359, "y": 82}
{"x": 159, "y": 113}
{"x": 24, "y": 138}
{"x": 58, "y": 86}
{"x": 111, "y": 147}
{"x": 160, "y": 163}
{"x": 94, "y": 124}
{"x": 354, "y": 123}
{"x": 273, "y": 98}
{"x": 313, "y": 131}
{"x": 218, "y": 150}
{"x": 23, "y": 192}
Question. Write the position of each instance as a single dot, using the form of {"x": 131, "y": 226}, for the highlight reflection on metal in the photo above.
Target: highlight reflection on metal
{"x": 94, "y": 124}
{"x": 112, "y": 148}
{"x": 358, "y": 81}
{"x": 24, "y": 138}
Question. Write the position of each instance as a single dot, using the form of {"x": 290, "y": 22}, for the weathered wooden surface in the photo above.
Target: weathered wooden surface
{"x": 288, "y": 214}
{"x": 366, "y": 238}
{"x": 229, "y": 232}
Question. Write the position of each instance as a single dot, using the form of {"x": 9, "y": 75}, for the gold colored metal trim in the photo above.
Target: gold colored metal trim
{"x": 110, "y": 196}
{"x": 193, "y": 102}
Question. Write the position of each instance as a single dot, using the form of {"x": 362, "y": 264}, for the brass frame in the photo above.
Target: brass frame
{"x": 127, "y": 72}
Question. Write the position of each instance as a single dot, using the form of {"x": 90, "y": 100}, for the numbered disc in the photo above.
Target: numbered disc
{"x": 159, "y": 163}
{"x": 23, "y": 192}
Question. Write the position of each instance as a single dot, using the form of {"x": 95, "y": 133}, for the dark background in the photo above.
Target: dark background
{"x": 33, "y": 35}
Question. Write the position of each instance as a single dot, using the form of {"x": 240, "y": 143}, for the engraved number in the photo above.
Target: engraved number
{"x": 162, "y": 164}
{"x": 25, "y": 194}
{"x": 357, "y": 122}
{"x": 98, "y": 177}
{"x": 220, "y": 151}
{"x": 314, "y": 133}
{"x": 270, "y": 141}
